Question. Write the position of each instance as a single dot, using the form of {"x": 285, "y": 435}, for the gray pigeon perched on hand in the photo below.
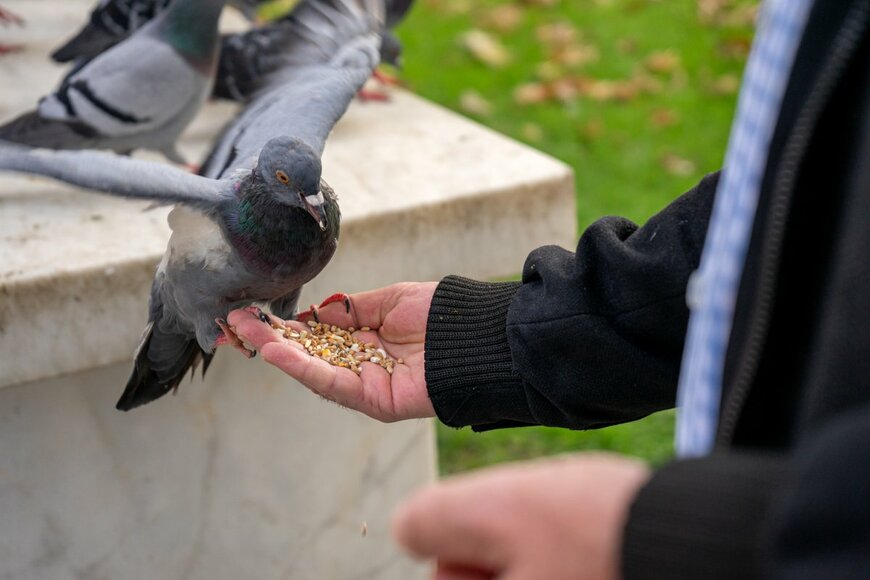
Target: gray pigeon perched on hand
{"x": 141, "y": 93}
{"x": 111, "y": 21}
{"x": 253, "y": 61}
{"x": 260, "y": 222}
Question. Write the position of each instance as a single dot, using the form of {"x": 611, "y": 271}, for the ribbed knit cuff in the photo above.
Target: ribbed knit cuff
{"x": 701, "y": 518}
{"x": 468, "y": 361}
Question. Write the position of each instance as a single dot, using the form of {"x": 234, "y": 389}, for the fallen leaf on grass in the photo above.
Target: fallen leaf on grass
{"x": 592, "y": 129}
{"x": 457, "y": 7}
{"x": 608, "y": 90}
{"x": 676, "y": 165}
{"x": 724, "y": 85}
{"x": 727, "y": 13}
{"x": 575, "y": 55}
{"x": 626, "y": 45}
{"x": 663, "y": 61}
{"x": 568, "y": 88}
{"x": 549, "y": 71}
{"x": 486, "y": 48}
{"x": 504, "y": 18}
{"x": 531, "y": 94}
{"x": 559, "y": 33}
{"x": 735, "y": 48}
{"x": 474, "y": 103}
{"x": 662, "y": 118}
{"x": 532, "y": 132}
{"x": 710, "y": 11}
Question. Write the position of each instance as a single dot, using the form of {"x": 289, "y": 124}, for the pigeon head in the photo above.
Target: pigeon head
{"x": 291, "y": 171}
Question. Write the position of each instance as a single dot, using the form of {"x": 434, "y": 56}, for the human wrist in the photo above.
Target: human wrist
{"x": 468, "y": 364}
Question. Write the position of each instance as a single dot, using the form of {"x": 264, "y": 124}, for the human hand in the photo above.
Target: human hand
{"x": 397, "y": 317}
{"x": 555, "y": 518}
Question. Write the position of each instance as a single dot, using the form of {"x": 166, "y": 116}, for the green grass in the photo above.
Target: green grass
{"x": 619, "y": 153}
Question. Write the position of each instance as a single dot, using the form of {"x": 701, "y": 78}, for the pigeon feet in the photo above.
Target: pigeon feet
{"x": 229, "y": 337}
{"x": 10, "y": 17}
{"x": 368, "y": 95}
{"x": 10, "y": 48}
{"x": 313, "y": 311}
{"x": 386, "y": 78}
{"x": 258, "y": 312}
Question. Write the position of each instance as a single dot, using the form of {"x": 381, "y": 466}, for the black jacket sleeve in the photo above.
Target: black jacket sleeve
{"x": 588, "y": 339}
{"x": 797, "y": 516}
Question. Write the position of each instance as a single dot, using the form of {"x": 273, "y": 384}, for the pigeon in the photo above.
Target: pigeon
{"x": 7, "y": 17}
{"x": 251, "y": 61}
{"x": 112, "y": 21}
{"x": 259, "y": 222}
{"x": 141, "y": 93}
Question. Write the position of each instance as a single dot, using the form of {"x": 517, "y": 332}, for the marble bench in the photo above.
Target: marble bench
{"x": 243, "y": 475}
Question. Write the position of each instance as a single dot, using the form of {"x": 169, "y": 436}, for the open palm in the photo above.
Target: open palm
{"x": 396, "y": 316}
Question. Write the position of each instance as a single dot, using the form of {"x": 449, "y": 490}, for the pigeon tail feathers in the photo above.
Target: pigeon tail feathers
{"x": 162, "y": 360}
{"x": 34, "y": 130}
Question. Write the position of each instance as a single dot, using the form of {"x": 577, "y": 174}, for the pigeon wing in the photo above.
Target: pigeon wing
{"x": 118, "y": 175}
{"x": 333, "y": 49}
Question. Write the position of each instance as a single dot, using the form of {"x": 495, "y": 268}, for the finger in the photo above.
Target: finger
{"x": 253, "y": 331}
{"x": 331, "y": 382}
{"x": 446, "y": 571}
{"x": 453, "y": 522}
{"x": 368, "y": 308}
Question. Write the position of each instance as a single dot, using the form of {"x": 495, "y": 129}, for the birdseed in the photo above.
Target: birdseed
{"x": 338, "y": 347}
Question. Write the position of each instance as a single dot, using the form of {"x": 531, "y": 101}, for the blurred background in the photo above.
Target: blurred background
{"x": 636, "y": 95}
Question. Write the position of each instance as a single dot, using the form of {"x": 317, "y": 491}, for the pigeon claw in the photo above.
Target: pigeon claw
{"x": 230, "y": 338}
{"x": 10, "y": 48}
{"x": 338, "y": 297}
{"x": 11, "y": 17}
{"x": 368, "y": 95}
{"x": 386, "y": 78}
{"x": 258, "y": 312}
{"x": 314, "y": 311}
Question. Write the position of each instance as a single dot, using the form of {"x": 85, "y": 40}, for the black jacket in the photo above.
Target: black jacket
{"x": 594, "y": 338}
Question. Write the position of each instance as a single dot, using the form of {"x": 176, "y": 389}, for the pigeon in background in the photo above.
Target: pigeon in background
{"x": 391, "y": 46}
{"x": 251, "y": 61}
{"x": 141, "y": 93}
{"x": 111, "y": 21}
{"x": 7, "y": 17}
{"x": 260, "y": 222}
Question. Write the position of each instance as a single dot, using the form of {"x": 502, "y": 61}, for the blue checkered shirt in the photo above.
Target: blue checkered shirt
{"x": 713, "y": 288}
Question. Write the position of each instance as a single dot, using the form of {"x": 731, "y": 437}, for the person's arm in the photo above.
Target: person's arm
{"x": 586, "y": 340}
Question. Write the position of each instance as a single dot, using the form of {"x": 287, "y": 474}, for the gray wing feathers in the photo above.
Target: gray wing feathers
{"x": 117, "y": 175}
{"x": 331, "y": 61}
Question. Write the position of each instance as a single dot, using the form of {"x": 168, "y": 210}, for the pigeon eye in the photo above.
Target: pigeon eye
{"x": 282, "y": 177}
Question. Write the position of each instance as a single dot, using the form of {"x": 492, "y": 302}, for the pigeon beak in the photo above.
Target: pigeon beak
{"x": 314, "y": 205}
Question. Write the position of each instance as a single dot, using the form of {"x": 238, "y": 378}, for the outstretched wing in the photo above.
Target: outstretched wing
{"x": 117, "y": 175}
{"x": 331, "y": 48}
